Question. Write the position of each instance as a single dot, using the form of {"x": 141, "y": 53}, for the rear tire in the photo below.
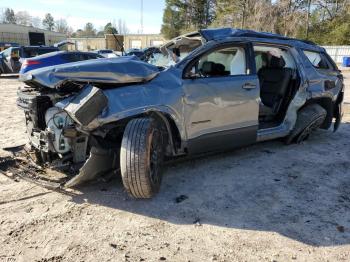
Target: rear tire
{"x": 309, "y": 119}
{"x": 141, "y": 157}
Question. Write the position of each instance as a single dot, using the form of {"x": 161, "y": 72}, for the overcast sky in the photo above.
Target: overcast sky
{"x": 79, "y": 12}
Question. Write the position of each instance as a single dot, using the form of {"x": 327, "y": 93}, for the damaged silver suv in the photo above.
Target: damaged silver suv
{"x": 212, "y": 90}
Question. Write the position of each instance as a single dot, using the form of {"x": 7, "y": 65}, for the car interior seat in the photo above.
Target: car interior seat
{"x": 274, "y": 81}
{"x": 213, "y": 69}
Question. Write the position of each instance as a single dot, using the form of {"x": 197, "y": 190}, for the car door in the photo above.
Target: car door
{"x": 6, "y": 60}
{"x": 331, "y": 77}
{"x": 12, "y": 60}
{"x": 221, "y": 92}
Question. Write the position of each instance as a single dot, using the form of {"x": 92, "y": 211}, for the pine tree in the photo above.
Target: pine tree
{"x": 182, "y": 16}
{"x": 48, "y": 22}
{"x": 9, "y": 16}
{"x": 172, "y": 21}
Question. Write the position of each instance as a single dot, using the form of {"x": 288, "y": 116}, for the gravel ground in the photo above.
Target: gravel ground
{"x": 267, "y": 202}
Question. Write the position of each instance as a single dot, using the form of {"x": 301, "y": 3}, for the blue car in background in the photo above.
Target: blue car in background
{"x": 56, "y": 58}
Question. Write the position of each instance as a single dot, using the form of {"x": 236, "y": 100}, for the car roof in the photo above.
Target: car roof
{"x": 60, "y": 53}
{"x": 224, "y": 33}
{"x": 39, "y": 46}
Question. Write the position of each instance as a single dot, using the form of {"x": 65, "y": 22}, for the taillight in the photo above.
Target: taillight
{"x": 30, "y": 62}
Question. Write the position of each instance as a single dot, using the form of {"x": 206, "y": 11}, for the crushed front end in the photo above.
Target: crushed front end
{"x": 55, "y": 129}
{"x": 60, "y": 106}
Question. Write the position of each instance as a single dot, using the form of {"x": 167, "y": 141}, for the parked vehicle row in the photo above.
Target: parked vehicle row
{"x": 13, "y": 57}
{"x": 56, "y": 58}
{"x": 22, "y": 59}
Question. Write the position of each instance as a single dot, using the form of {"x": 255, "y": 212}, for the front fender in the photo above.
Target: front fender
{"x": 164, "y": 110}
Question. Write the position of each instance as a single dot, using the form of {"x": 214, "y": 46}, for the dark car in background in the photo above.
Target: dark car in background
{"x": 5, "y": 45}
{"x": 56, "y": 58}
{"x": 134, "y": 51}
{"x": 12, "y": 58}
{"x": 143, "y": 54}
{"x": 149, "y": 52}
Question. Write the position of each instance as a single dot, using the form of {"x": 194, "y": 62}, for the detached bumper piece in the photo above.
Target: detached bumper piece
{"x": 85, "y": 106}
{"x": 100, "y": 162}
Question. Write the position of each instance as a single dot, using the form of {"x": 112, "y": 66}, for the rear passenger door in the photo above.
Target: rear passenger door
{"x": 325, "y": 67}
{"x": 221, "y": 94}
{"x": 330, "y": 76}
{"x": 6, "y": 63}
{"x": 11, "y": 60}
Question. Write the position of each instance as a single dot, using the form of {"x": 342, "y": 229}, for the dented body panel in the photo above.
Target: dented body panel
{"x": 200, "y": 114}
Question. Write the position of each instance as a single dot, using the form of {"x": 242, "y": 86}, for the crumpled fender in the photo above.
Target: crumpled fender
{"x": 161, "y": 95}
{"x": 120, "y": 70}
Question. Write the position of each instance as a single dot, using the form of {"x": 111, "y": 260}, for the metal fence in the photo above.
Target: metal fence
{"x": 338, "y": 52}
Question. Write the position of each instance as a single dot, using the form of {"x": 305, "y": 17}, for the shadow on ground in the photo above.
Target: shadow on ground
{"x": 299, "y": 191}
{"x": 12, "y": 76}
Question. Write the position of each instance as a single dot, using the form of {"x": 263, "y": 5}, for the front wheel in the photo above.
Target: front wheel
{"x": 141, "y": 157}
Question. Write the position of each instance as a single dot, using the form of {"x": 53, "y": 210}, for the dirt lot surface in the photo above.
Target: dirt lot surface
{"x": 267, "y": 202}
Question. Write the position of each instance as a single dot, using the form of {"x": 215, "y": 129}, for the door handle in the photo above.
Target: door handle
{"x": 249, "y": 86}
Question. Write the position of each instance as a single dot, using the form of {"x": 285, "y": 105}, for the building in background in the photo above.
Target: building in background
{"x": 140, "y": 41}
{"x": 115, "y": 42}
{"x": 28, "y": 35}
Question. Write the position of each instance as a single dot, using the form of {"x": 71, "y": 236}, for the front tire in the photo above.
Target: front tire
{"x": 141, "y": 157}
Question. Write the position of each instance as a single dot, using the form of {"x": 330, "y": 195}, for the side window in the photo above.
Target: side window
{"x": 228, "y": 61}
{"x": 261, "y": 60}
{"x": 7, "y": 52}
{"x": 268, "y": 56}
{"x": 72, "y": 57}
{"x": 91, "y": 56}
{"x": 316, "y": 59}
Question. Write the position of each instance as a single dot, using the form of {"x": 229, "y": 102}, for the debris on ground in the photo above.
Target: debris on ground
{"x": 181, "y": 198}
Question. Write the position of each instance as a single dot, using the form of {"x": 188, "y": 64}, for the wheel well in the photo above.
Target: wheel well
{"x": 174, "y": 138}
{"x": 114, "y": 131}
{"x": 327, "y": 104}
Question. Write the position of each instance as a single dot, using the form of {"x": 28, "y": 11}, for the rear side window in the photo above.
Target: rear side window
{"x": 7, "y": 52}
{"x": 32, "y": 52}
{"x": 264, "y": 54}
{"x": 73, "y": 57}
{"x": 318, "y": 60}
{"x": 92, "y": 56}
{"x": 45, "y": 51}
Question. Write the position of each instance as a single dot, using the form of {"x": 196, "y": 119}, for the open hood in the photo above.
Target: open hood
{"x": 106, "y": 70}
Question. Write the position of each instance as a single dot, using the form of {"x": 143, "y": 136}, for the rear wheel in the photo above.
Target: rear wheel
{"x": 309, "y": 119}
{"x": 141, "y": 157}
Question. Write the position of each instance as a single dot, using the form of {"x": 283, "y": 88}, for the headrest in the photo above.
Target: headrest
{"x": 277, "y": 62}
{"x": 207, "y": 67}
{"x": 219, "y": 67}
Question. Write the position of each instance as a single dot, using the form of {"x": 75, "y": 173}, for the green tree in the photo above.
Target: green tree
{"x": 172, "y": 21}
{"x": 61, "y": 26}
{"x": 330, "y": 25}
{"x": 182, "y": 16}
{"x": 110, "y": 29}
{"x": 89, "y": 30}
{"x": 49, "y": 22}
{"x": 9, "y": 16}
